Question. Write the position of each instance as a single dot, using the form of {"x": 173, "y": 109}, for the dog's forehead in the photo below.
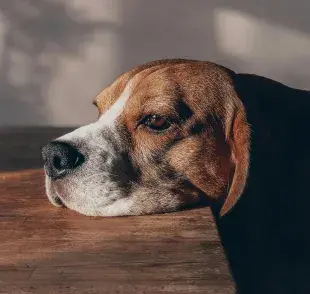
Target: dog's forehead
{"x": 161, "y": 79}
{"x": 109, "y": 95}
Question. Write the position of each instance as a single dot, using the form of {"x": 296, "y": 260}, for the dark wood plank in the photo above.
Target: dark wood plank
{"x": 20, "y": 147}
{"x": 54, "y": 250}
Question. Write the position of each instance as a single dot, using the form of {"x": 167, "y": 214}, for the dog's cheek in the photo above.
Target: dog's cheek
{"x": 198, "y": 161}
{"x": 154, "y": 199}
{"x": 146, "y": 157}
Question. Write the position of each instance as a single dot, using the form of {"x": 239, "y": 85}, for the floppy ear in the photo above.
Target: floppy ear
{"x": 238, "y": 137}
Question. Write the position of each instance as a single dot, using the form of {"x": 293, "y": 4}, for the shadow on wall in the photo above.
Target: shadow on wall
{"x": 55, "y": 56}
{"x": 20, "y": 148}
{"x": 270, "y": 39}
{"x": 36, "y": 36}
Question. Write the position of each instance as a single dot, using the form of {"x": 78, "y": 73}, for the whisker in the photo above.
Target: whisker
{"x": 91, "y": 176}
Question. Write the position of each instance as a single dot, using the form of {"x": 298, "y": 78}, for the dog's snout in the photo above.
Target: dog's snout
{"x": 60, "y": 158}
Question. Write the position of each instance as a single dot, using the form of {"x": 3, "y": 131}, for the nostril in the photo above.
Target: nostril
{"x": 57, "y": 162}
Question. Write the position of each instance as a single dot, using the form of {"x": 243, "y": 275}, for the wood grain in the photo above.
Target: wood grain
{"x": 45, "y": 249}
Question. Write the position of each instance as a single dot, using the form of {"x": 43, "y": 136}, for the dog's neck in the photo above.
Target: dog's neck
{"x": 265, "y": 236}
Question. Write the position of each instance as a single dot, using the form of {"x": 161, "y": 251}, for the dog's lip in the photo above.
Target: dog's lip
{"x": 58, "y": 201}
{"x": 52, "y": 193}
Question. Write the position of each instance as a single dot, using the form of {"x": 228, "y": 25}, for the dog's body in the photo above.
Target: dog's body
{"x": 266, "y": 236}
{"x": 174, "y": 131}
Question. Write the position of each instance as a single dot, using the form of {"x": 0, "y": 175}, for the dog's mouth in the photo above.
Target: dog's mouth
{"x": 58, "y": 201}
{"x": 53, "y": 194}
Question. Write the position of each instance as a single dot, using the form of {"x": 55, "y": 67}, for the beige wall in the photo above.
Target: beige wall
{"x": 56, "y": 55}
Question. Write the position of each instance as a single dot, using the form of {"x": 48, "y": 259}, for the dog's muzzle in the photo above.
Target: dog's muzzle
{"x": 60, "y": 159}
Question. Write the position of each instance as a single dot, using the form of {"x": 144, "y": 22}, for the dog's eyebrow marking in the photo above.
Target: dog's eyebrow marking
{"x": 117, "y": 108}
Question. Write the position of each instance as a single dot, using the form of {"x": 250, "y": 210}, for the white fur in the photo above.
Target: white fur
{"x": 92, "y": 190}
{"x": 117, "y": 108}
{"x": 120, "y": 207}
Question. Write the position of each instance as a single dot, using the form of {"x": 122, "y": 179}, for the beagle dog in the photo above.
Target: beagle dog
{"x": 169, "y": 132}
{"x": 173, "y": 132}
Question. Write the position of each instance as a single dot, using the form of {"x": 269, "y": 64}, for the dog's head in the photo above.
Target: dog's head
{"x": 168, "y": 133}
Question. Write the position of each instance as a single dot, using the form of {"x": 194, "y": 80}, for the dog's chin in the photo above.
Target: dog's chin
{"x": 60, "y": 195}
{"x": 111, "y": 200}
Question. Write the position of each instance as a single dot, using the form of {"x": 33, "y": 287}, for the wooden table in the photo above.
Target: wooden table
{"x": 54, "y": 250}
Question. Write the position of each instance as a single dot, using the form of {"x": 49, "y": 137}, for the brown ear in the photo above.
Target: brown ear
{"x": 239, "y": 140}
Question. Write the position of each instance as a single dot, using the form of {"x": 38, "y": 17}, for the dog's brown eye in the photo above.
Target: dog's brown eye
{"x": 156, "y": 122}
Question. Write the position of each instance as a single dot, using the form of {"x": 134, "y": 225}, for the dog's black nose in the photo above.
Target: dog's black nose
{"x": 60, "y": 158}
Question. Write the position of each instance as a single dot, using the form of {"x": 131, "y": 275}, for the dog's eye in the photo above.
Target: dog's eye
{"x": 156, "y": 122}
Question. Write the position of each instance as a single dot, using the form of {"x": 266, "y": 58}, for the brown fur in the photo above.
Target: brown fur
{"x": 199, "y": 97}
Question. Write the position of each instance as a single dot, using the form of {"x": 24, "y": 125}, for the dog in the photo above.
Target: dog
{"x": 172, "y": 133}
{"x": 168, "y": 132}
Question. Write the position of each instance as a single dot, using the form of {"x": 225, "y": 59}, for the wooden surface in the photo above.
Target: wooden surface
{"x": 45, "y": 249}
